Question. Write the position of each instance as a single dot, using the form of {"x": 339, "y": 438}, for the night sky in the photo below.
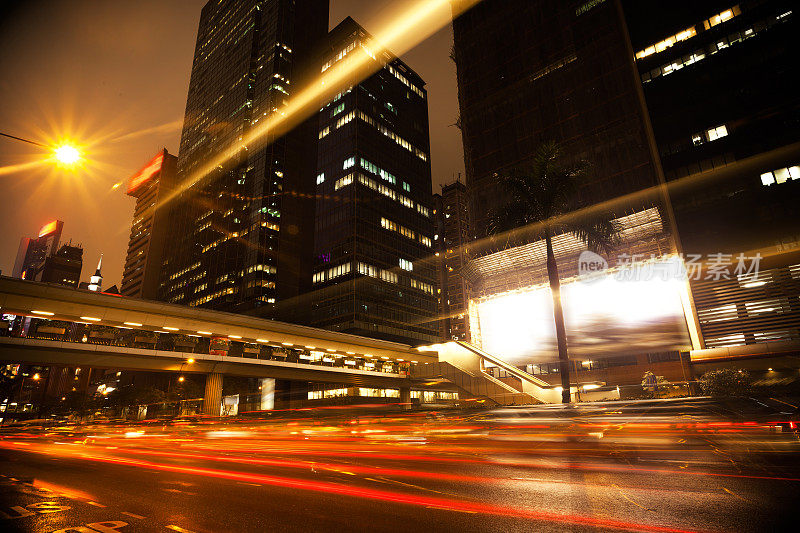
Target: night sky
{"x": 114, "y": 74}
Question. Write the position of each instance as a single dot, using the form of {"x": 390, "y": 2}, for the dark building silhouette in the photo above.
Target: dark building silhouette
{"x": 451, "y": 213}
{"x": 695, "y": 95}
{"x": 33, "y": 251}
{"x": 373, "y": 236}
{"x": 151, "y": 224}
{"x": 242, "y": 236}
{"x": 531, "y": 71}
{"x": 63, "y": 267}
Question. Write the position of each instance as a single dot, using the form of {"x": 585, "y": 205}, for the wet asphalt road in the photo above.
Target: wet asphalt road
{"x": 639, "y": 470}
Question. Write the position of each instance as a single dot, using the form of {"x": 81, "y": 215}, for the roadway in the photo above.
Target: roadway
{"x": 655, "y": 466}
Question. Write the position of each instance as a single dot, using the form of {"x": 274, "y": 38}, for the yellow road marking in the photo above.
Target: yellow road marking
{"x": 733, "y": 494}
{"x": 630, "y": 500}
{"x": 179, "y": 529}
{"x": 95, "y": 504}
{"x": 134, "y": 515}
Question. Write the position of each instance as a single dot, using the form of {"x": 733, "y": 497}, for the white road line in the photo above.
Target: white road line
{"x": 140, "y": 517}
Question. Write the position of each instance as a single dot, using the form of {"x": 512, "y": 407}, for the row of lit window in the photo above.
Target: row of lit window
{"x": 405, "y": 81}
{"x": 207, "y": 298}
{"x": 375, "y": 272}
{"x": 688, "y": 33}
{"x": 781, "y": 175}
{"x": 392, "y": 135}
{"x": 375, "y": 169}
{"x": 219, "y": 241}
{"x": 184, "y": 271}
{"x": 713, "y": 48}
{"x": 405, "y": 232}
{"x": 345, "y": 119}
{"x": 342, "y": 182}
{"x": 421, "y": 285}
{"x": 342, "y": 53}
{"x": 333, "y": 272}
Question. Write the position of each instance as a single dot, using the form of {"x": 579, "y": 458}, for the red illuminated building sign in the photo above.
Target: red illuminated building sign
{"x": 143, "y": 176}
{"x": 48, "y": 228}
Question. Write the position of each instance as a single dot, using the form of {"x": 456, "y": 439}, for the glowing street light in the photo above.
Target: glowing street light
{"x": 67, "y": 155}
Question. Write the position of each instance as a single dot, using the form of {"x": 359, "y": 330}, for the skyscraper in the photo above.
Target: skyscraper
{"x": 373, "y": 273}
{"x": 718, "y": 81}
{"x": 242, "y": 232}
{"x": 32, "y": 252}
{"x": 451, "y": 212}
{"x": 150, "y": 186}
{"x": 531, "y": 71}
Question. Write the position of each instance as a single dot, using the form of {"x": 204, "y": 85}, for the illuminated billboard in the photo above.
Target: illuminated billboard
{"x": 143, "y": 176}
{"x": 48, "y": 228}
{"x": 617, "y": 312}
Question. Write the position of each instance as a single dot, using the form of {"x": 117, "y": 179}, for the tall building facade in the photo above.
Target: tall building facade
{"x": 33, "y": 251}
{"x": 373, "y": 272}
{"x": 151, "y": 221}
{"x": 693, "y": 97}
{"x": 64, "y": 266}
{"x": 531, "y": 71}
{"x": 452, "y": 237}
{"x": 242, "y": 240}
{"x": 717, "y": 78}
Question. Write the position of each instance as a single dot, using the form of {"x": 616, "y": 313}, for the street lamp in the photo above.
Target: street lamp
{"x": 65, "y": 154}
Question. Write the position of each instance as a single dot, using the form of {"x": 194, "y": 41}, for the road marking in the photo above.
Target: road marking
{"x": 140, "y": 517}
{"x": 449, "y": 509}
{"x": 630, "y": 500}
{"x": 733, "y": 494}
{"x": 179, "y": 529}
{"x": 787, "y": 403}
{"x": 95, "y": 504}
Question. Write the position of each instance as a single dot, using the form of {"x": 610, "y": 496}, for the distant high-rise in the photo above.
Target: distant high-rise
{"x": 373, "y": 273}
{"x": 242, "y": 232}
{"x": 150, "y": 186}
{"x": 63, "y": 267}
{"x": 451, "y": 213}
{"x": 32, "y": 252}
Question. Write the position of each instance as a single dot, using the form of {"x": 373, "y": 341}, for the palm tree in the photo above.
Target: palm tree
{"x": 543, "y": 195}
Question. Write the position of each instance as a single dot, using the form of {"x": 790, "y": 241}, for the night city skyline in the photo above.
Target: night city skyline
{"x": 399, "y": 265}
{"x": 156, "y": 57}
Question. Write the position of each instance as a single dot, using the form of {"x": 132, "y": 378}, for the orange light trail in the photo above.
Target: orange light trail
{"x": 368, "y": 493}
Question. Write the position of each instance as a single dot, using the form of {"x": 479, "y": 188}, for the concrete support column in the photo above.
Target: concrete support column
{"x": 405, "y": 397}
{"x": 212, "y": 400}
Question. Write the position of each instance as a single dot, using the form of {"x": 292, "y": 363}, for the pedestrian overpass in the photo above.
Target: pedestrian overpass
{"x": 61, "y": 326}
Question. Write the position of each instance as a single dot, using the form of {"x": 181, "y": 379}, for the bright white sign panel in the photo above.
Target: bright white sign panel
{"x": 616, "y": 313}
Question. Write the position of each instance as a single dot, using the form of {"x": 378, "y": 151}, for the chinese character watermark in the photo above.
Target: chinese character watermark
{"x": 639, "y": 267}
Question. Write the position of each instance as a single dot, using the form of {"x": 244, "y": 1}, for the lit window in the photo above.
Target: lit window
{"x": 405, "y": 264}
{"x": 320, "y": 178}
{"x": 349, "y": 162}
{"x": 716, "y": 133}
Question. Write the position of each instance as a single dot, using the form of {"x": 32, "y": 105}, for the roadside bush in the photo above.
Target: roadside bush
{"x": 726, "y": 382}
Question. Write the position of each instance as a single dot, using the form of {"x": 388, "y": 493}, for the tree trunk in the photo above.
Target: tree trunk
{"x": 558, "y": 315}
